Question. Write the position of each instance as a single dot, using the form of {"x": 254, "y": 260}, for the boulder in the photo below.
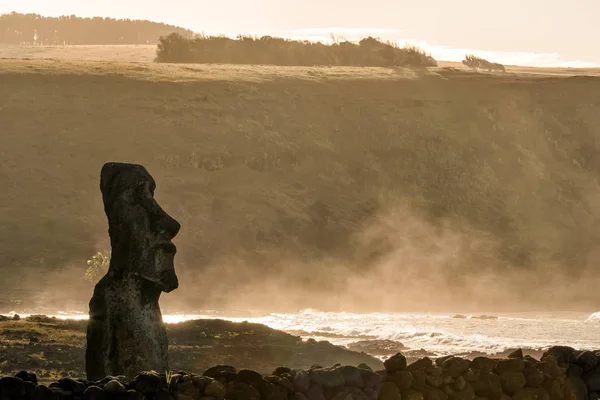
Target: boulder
{"x": 148, "y": 382}
{"x": 575, "y": 389}
{"x": 315, "y": 392}
{"x": 370, "y": 379}
{"x": 27, "y": 377}
{"x": 215, "y": 389}
{"x": 432, "y": 393}
{"x": 279, "y": 371}
{"x": 483, "y": 364}
{"x": 488, "y": 385}
{"x": 459, "y": 384}
{"x": 455, "y": 366}
{"x": 516, "y": 354}
{"x": 350, "y": 393}
{"x": 241, "y": 391}
{"x": 592, "y": 379}
{"x": 201, "y": 382}
{"x": 217, "y": 371}
{"x": 352, "y": 376}
{"x": 510, "y": 365}
{"x": 533, "y": 377}
{"x": 412, "y": 395}
{"x": 389, "y": 391}
{"x": 420, "y": 364}
{"x": 327, "y": 377}
{"x": 512, "y": 382}
{"x": 528, "y": 393}
{"x": 44, "y": 393}
{"x": 30, "y": 390}
{"x": 466, "y": 394}
{"x": 555, "y": 389}
{"x": 93, "y": 393}
{"x": 587, "y": 361}
{"x": 562, "y": 354}
{"x": 299, "y": 396}
{"x": 115, "y": 386}
{"x": 402, "y": 379}
{"x": 250, "y": 377}
{"x": 301, "y": 381}
{"x": 12, "y": 388}
{"x": 395, "y": 363}
{"x": 419, "y": 380}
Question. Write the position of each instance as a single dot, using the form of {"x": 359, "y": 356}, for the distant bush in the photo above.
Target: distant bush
{"x": 175, "y": 48}
{"x": 474, "y": 62}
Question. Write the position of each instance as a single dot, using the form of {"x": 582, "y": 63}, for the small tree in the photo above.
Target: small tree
{"x": 97, "y": 266}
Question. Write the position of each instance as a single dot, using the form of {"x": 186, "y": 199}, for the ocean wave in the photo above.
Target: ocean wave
{"x": 594, "y": 317}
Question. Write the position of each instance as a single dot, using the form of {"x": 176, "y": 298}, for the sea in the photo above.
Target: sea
{"x": 439, "y": 334}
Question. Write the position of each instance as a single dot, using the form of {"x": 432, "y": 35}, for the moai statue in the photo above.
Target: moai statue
{"x": 126, "y": 333}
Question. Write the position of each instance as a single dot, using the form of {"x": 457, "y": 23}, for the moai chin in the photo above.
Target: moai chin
{"x": 126, "y": 333}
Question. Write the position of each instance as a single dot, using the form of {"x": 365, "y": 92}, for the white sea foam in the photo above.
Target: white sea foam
{"x": 439, "y": 333}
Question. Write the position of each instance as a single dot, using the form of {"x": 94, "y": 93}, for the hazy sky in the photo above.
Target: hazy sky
{"x": 534, "y": 32}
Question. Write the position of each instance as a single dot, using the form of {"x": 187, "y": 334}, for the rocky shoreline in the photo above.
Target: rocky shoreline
{"x": 562, "y": 373}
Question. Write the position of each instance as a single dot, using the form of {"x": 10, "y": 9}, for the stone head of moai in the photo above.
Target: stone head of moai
{"x": 126, "y": 334}
{"x": 140, "y": 231}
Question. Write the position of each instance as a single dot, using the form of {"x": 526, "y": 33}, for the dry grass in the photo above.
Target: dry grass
{"x": 277, "y": 173}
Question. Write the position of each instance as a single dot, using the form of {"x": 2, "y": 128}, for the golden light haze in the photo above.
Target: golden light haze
{"x": 525, "y": 32}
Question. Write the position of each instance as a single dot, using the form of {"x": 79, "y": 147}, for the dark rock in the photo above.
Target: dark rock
{"x": 286, "y": 384}
{"x": 459, "y": 384}
{"x": 555, "y": 389}
{"x": 215, "y": 389}
{"x": 269, "y": 391}
{"x": 488, "y": 385}
{"x": 327, "y": 377}
{"x": 135, "y": 395}
{"x": 440, "y": 360}
{"x": 455, "y": 366}
{"x": 432, "y": 393}
{"x": 412, "y": 395}
{"x": 299, "y": 396}
{"x": 216, "y": 372}
{"x": 350, "y": 393}
{"x": 512, "y": 382}
{"x": 592, "y": 379}
{"x": 484, "y": 364}
{"x": 148, "y": 382}
{"x": 435, "y": 381}
{"x": 575, "y": 389}
{"x": 594, "y": 396}
{"x": 93, "y": 393}
{"x": 125, "y": 301}
{"x": 72, "y": 385}
{"x": 575, "y": 370}
{"x": 466, "y": 394}
{"x": 420, "y": 364}
{"x": 395, "y": 363}
{"x": 516, "y": 354}
{"x": 27, "y": 377}
{"x": 563, "y": 354}
{"x": 279, "y": 371}
{"x": 510, "y": 365}
{"x": 402, "y": 379}
{"x": 201, "y": 382}
{"x": 30, "y": 390}
{"x": 419, "y": 380}
{"x": 533, "y": 377}
{"x": 115, "y": 386}
{"x": 371, "y": 393}
{"x": 471, "y": 375}
{"x": 550, "y": 368}
{"x": 389, "y": 391}
{"x": 301, "y": 381}
{"x": 587, "y": 360}
{"x": 44, "y": 393}
{"x": 241, "y": 391}
{"x": 370, "y": 378}
{"x": 315, "y": 392}
{"x": 250, "y": 377}
{"x": 528, "y": 393}
{"x": 229, "y": 376}
{"x": 365, "y": 366}
{"x": 352, "y": 376}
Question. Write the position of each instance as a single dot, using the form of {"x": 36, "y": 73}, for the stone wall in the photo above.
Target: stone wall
{"x": 561, "y": 374}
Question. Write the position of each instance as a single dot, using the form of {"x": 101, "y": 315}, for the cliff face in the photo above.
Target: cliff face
{"x": 330, "y": 178}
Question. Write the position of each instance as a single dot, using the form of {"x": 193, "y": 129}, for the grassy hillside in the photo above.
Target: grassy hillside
{"x": 390, "y": 188}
